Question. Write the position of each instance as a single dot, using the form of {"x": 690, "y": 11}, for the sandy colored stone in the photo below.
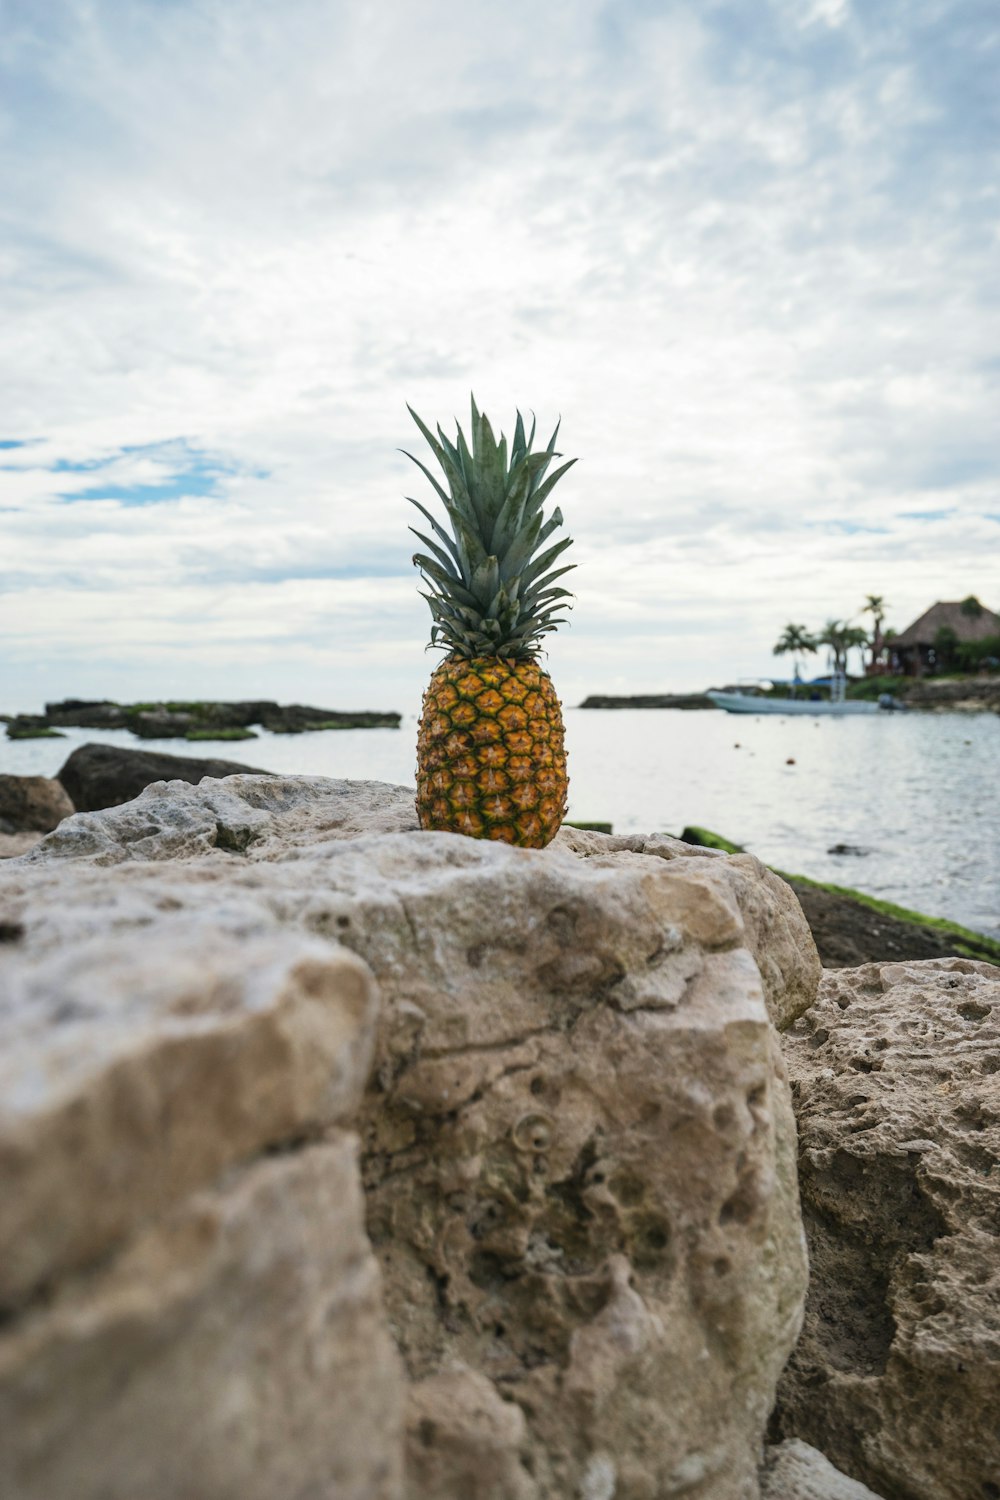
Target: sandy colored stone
{"x": 768, "y": 919}
{"x": 463, "y": 1439}
{"x": 32, "y": 804}
{"x": 578, "y": 1142}
{"x": 297, "y": 818}
{"x": 237, "y": 1350}
{"x": 12, "y": 845}
{"x": 136, "y": 1064}
{"x": 896, "y": 1072}
{"x": 795, "y": 1471}
{"x": 593, "y": 1204}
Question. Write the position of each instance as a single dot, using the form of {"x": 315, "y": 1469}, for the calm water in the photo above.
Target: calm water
{"x": 917, "y": 793}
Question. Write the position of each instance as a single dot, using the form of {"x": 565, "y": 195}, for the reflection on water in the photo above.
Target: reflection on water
{"x": 916, "y": 791}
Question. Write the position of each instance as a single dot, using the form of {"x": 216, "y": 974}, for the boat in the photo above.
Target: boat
{"x": 752, "y": 701}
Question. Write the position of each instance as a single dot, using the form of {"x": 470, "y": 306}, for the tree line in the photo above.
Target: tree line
{"x": 839, "y": 636}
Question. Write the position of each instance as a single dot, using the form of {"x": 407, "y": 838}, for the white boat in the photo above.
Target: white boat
{"x": 756, "y": 703}
{"x": 753, "y": 701}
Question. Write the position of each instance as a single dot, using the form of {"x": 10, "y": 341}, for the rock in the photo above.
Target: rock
{"x": 650, "y": 700}
{"x": 161, "y": 724}
{"x": 794, "y": 1471}
{"x": 578, "y": 1150}
{"x": 854, "y": 849}
{"x": 766, "y": 912}
{"x": 191, "y": 1305}
{"x": 296, "y": 718}
{"x": 99, "y": 776}
{"x": 236, "y": 1349}
{"x": 87, "y": 713}
{"x": 24, "y": 727}
{"x": 135, "y": 1066}
{"x": 849, "y": 931}
{"x": 896, "y": 1072}
{"x": 32, "y": 804}
{"x": 463, "y": 1439}
{"x": 14, "y": 844}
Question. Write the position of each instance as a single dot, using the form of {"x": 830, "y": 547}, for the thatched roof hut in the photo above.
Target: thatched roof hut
{"x": 967, "y": 618}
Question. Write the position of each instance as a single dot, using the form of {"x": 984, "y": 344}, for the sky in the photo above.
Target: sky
{"x": 748, "y": 253}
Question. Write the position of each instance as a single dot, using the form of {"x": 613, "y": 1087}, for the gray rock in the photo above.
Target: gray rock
{"x": 99, "y": 776}
{"x": 32, "y": 804}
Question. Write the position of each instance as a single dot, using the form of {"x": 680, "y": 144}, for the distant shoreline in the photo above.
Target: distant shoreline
{"x": 924, "y": 694}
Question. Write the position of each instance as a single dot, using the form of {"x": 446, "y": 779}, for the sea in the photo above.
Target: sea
{"x": 905, "y": 807}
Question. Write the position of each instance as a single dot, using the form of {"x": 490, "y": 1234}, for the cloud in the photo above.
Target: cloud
{"x": 748, "y": 253}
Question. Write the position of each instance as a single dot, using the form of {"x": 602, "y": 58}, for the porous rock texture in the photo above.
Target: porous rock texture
{"x": 794, "y": 1471}
{"x": 896, "y": 1074}
{"x": 577, "y": 1142}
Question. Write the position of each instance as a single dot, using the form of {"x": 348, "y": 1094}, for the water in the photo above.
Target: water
{"x": 917, "y": 792}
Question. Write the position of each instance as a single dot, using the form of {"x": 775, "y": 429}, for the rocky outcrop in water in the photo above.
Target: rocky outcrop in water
{"x": 570, "y": 1122}
{"x": 649, "y": 700}
{"x": 180, "y": 720}
{"x": 32, "y": 804}
{"x": 896, "y": 1076}
{"x": 99, "y": 776}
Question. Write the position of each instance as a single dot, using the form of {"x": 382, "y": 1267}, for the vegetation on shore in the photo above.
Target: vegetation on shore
{"x": 963, "y": 941}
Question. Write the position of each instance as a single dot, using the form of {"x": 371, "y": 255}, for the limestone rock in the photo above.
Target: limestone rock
{"x": 235, "y": 1350}
{"x": 135, "y": 1066}
{"x": 99, "y": 776}
{"x": 463, "y": 1439}
{"x": 278, "y": 818}
{"x": 896, "y": 1071}
{"x": 32, "y": 804}
{"x": 769, "y": 916}
{"x": 578, "y": 1146}
{"x": 794, "y": 1471}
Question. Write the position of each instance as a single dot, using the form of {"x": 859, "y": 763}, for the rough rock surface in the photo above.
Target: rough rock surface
{"x": 578, "y": 1149}
{"x": 770, "y": 914}
{"x": 32, "y": 804}
{"x": 135, "y": 1066}
{"x": 235, "y": 1349}
{"x": 794, "y": 1471}
{"x": 190, "y": 1299}
{"x": 896, "y": 1073}
{"x": 99, "y": 776}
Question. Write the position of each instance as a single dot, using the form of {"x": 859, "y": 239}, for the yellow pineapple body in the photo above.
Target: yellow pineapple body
{"x": 491, "y": 761}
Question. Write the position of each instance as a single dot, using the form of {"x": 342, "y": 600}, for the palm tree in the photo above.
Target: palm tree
{"x": 841, "y": 638}
{"x": 875, "y": 606}
{"x": 795, "y": 638}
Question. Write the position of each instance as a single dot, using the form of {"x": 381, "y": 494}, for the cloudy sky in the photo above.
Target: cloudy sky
{"x": 749, "y": 252}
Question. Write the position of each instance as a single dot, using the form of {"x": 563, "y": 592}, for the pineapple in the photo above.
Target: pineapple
{"x": 490, "y": 756}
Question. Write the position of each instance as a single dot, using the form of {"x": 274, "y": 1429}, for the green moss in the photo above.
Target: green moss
{"x": 16, "y": 733}
{"x": 966, "y": 942}
{"x": 704, "y": 838}
{"x": 591, "y": 827}
{"x": 199, "y": 710}
{"x": 971, "y": 944}
{"x": 221, "y": 734}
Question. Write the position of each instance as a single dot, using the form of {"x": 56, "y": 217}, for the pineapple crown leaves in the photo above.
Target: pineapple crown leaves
{"x": 491, "y": 586}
